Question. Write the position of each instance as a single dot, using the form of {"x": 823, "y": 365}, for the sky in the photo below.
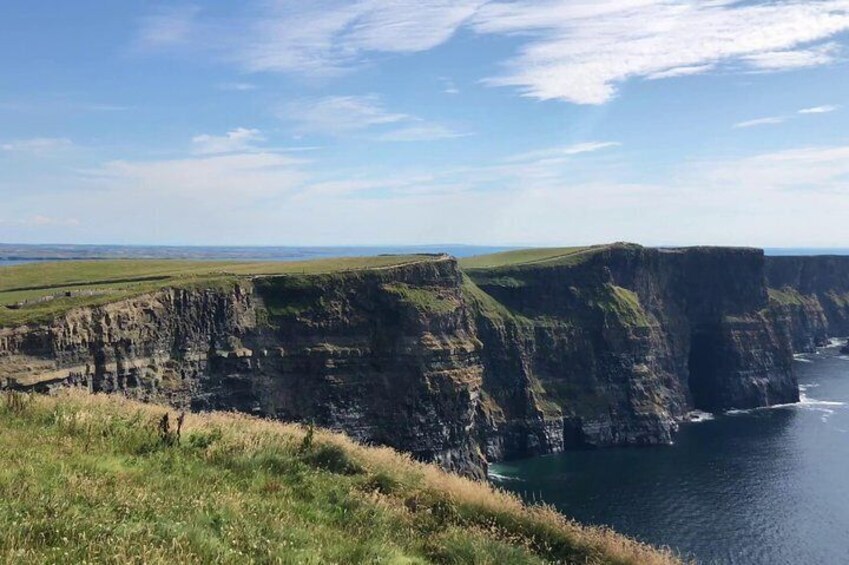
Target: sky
{"x": 394, "y": 122}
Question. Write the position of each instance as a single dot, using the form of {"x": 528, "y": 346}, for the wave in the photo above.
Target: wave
{"x": 827, "y": 407}
{"x": 697, "y": 416}
{"x": 493, "y": 476}
{"x": 836, "y": 341}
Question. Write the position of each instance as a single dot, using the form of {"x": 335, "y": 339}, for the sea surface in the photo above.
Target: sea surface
{"x": 767, "y": 486}
{"x": 21, "y": 253}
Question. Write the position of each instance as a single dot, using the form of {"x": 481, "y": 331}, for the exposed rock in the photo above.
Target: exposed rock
{"x": 613, "y": 349}
{"x": 389, "y": 356}
{"x": 813, "y": 294}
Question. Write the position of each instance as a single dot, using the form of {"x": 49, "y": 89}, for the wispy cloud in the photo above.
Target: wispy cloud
{"x": 237, "y": 86}
{"x": 577, "y": 51}
{"x": 423, "y": 132}
{"x": 40, "y": 221}
{"x": 565, "y": 151}
{"x": 329, "y": 36}
{"x": 819, "y": 109}
{"x": 337, "y": 114}
{"x": 36, "y": 145}
{"x": 340, "y": 115}
{"x": 237, "y": 140}
{"x": 582, "y": 51}
{"x": 168, "y": 27}
{"x": 808, "y": 169}
{"x": 768, "y": 121}
{"x": 774, "y": 120}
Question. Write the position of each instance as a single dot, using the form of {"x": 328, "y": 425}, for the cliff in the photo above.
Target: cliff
{"x": 387, "y": 354}
{"x": 614, "y": 345}
{"x": 812, "y": 293}
{"x": 517, "y": 354}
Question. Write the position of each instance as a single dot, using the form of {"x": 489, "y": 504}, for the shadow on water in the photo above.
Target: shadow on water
{"x": 763, "y": 486}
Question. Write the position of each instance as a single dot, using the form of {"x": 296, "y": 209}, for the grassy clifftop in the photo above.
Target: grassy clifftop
{"x": 537, "y": 257}
{"x": 93, "y": 478}
{"x": 36, "y": 292}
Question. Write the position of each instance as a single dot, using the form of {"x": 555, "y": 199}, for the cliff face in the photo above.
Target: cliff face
{"x": 812, "y": 293}
{"x": 613, "y": 346}
{"x": 617, "y": 346}
{"x": 389, "y": 356}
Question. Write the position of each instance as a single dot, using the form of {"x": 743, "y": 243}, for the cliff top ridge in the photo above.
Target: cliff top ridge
{"x": 36, "y": 292}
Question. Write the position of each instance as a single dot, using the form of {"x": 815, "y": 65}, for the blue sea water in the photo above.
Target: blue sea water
{"x": 768, "y": 486}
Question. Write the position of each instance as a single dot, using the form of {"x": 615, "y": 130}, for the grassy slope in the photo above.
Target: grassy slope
{"x": 109, "y": 281}
{"x": 87, "y": 478}
{"x": 529, "y": 257}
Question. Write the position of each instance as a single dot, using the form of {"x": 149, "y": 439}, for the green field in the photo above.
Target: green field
{"x": 68, "y": 284}
{"x": 92, "y": 479}
{"x": 521, "y": 257}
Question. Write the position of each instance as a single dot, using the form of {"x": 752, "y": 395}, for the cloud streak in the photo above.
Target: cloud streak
{"x": 579, "y": 51}
{"x": 344, "y": 115}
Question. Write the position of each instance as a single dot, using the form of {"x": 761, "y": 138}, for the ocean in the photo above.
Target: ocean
{"x": 767, "y": 486}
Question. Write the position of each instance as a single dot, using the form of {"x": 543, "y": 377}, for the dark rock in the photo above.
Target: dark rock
{"x": 614, "y": 349}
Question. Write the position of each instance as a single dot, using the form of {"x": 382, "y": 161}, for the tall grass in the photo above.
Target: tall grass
{"x": 94, "y": 479}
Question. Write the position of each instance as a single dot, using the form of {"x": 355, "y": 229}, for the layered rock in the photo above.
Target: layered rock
{"x": 610, "y": 346}
{"x": 614, "y": 346}
{"x": 812, "y": 293}
{"x": 387, "y": 355}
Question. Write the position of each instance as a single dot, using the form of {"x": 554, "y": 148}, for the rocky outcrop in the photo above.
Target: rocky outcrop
{"x": 812, "y": 293}
{"x": 615, "y": 346}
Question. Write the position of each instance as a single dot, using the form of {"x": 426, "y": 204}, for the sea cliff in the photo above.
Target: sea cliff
{"x": 496, "y": 357}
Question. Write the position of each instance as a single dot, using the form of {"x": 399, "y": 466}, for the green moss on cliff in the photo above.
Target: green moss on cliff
{"x": 91, "y": 479}
{"x": 486, "y": 305}
{"x": 424, "y": 299}
{"x": 786, "y": 296}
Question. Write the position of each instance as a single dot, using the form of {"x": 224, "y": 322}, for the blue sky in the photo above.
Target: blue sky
{"x": 431, "y": 121}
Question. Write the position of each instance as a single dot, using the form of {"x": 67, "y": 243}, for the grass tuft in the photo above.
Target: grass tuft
{"x": 88, "y": 478}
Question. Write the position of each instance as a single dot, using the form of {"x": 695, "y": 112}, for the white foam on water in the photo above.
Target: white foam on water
{"x": 836, "y": 342}
{"x": 827, "y": 407}
{"x": 801, "y": 358}
{"x": 499, "y": 477}
{"x": 698, "y": 416}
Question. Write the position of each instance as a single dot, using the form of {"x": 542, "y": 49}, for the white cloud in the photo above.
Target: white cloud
{"x": 234, "y": 141}
{"x": 819, "y": 109}
{"x": 566, "y": 151}
{"x": 807, "y": 169}
{"x": 794, "y": 59}
{"x": 424, "y": 132}
{"x": 242, "y": 176}
{"x": 339, "y": 115}
{"x": 574, "y": 50}
{"x": 771, "y": 120}
{"x": 169, "y": 27}
{"x": 580, "y": 51}
{"x": 326, "y": 36}
{"x": 36, "y": 145}
{"x": 237, "y": 86}
{"x": 554, "y": 195}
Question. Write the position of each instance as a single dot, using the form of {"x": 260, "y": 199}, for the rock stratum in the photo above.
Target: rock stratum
{"x": 518, "y": 355}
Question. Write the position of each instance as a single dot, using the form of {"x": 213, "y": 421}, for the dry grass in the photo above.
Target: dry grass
{"x": 88, "y": 479}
